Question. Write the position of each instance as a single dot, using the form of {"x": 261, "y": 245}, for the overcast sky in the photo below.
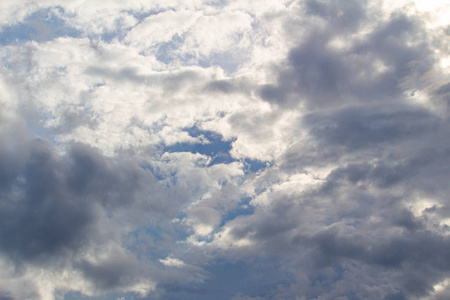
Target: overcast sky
{"x": 224, "y": 149}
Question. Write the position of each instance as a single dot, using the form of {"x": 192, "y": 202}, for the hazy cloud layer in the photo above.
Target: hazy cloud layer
{"x": 224, "y": 150}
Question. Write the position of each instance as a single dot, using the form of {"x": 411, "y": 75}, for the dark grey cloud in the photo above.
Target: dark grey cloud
{"x": 382, "y": 157}
{"x": 366, "y": 234}
{"x": 229, "y": 86}
{"x": 388, "y": 133}
{"x": 43, "y": 219}
{"x": 344, "y": 16}
{"x": 368, "y": 126}
{"x": 321, "y": 75}
{"x": 40, "y": 217}
{"x": 247, "y": 276}
{"x": 444, "y": 89}
{"x": 117, "y": 272}
{"x": 55, "y": 207}
{"x": 442, "y": 95}
{"x": 419, "y": 260}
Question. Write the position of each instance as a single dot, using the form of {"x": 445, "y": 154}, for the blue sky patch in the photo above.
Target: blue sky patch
{"x": 218, "y": 149}
{"x": 41, "y": 26}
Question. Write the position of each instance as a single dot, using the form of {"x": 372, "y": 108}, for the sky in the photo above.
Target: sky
{"x": 224, "y": 149}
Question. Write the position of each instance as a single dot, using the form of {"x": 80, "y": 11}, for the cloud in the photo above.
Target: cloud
{"x": 351, "y": 57}
{"x": 57, "y": 213}
{"x": 224, "y": 149}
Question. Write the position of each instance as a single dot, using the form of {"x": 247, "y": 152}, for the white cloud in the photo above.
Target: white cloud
{"x": 172, "y": 262}
{"x": 217, "y": 33}
{"x": 161, "y": 28}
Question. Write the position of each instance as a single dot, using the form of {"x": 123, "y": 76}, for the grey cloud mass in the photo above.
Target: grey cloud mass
{"x": 323, "y": 75}
{"x": 225, "y": 150}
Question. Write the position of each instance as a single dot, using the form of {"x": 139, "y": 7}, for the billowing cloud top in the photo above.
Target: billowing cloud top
{"x": 225, "y": 149}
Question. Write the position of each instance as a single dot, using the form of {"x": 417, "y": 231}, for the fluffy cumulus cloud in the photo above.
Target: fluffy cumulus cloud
{"x": 225, "y": 149}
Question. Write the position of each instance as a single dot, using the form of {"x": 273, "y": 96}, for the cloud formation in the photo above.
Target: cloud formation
{"x": 224, "y": 149}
